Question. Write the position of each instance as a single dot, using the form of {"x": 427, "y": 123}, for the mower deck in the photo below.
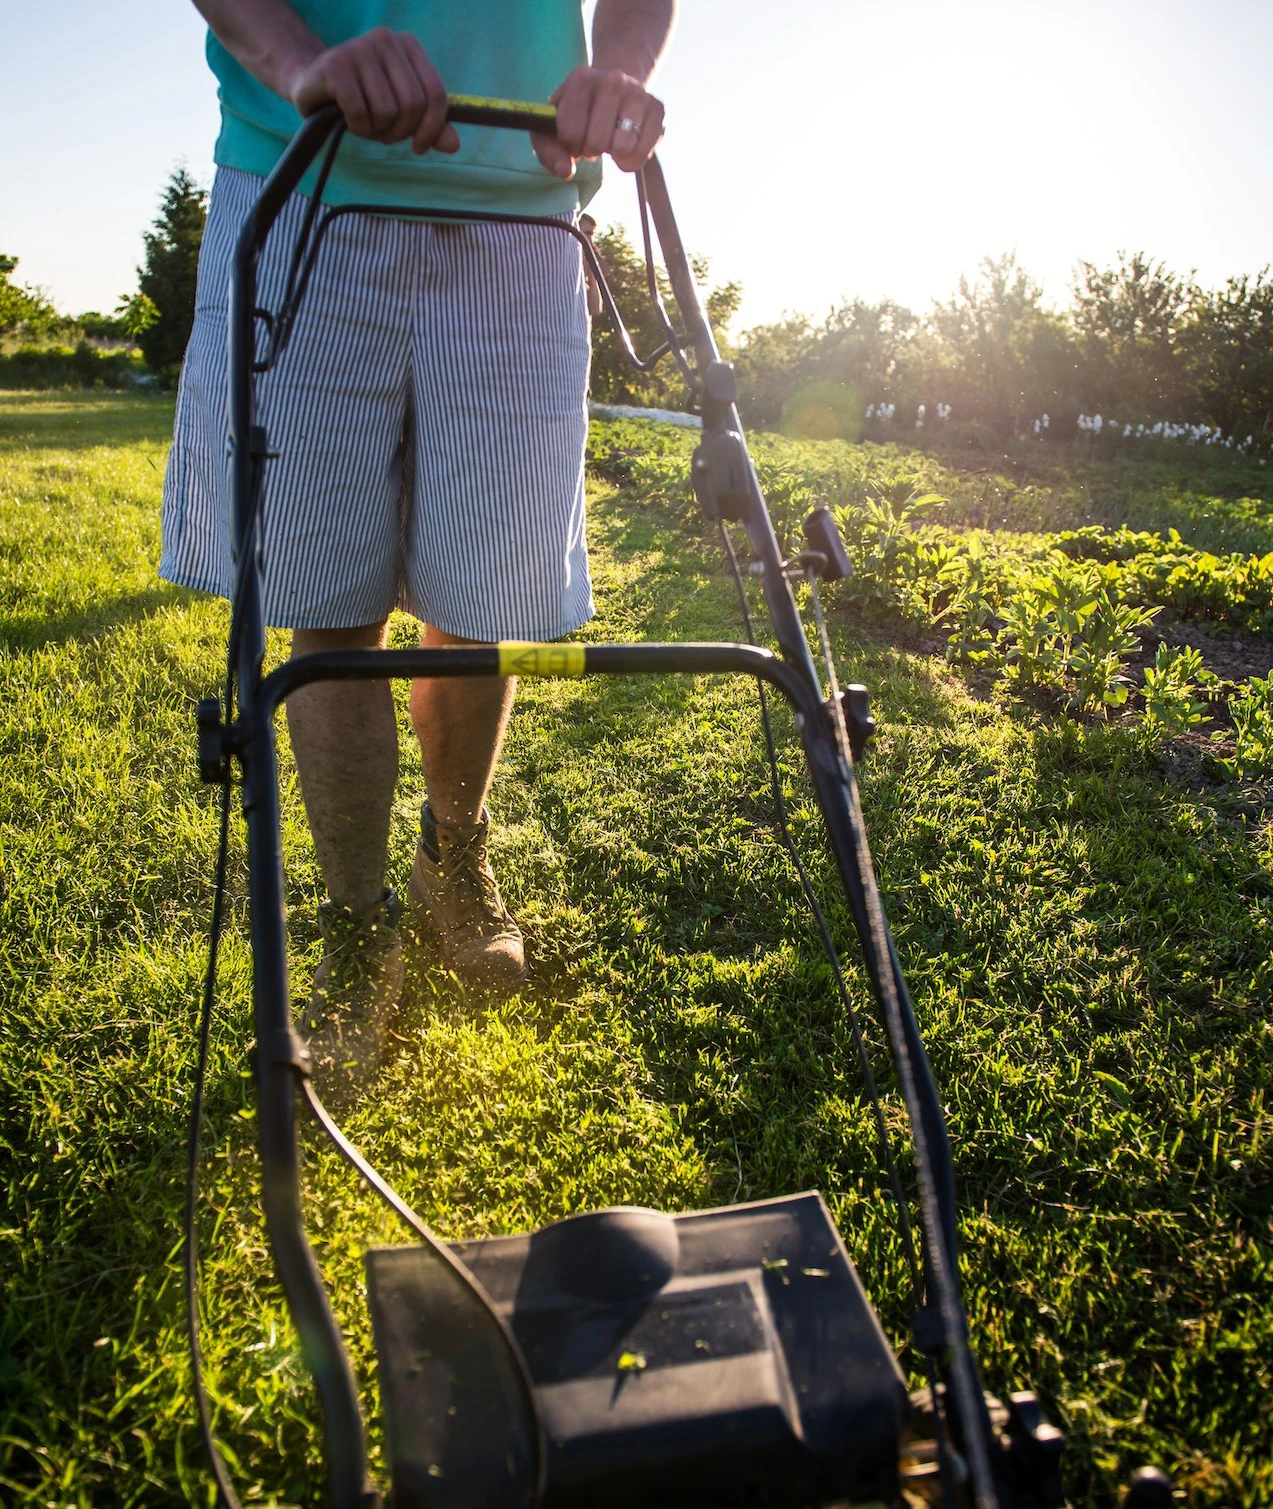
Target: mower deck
{"x": 720, "y": 1357}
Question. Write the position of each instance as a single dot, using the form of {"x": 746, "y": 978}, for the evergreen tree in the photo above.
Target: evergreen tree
{"x": 168, "y": 277}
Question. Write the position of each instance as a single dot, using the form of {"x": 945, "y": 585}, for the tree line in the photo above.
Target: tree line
{"x": 156, "y": 317}
{"x": 1137, "y": 343}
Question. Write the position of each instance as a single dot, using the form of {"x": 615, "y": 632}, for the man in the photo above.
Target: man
{"x": 589, "y": 227}
{"x": 429, "y": 418}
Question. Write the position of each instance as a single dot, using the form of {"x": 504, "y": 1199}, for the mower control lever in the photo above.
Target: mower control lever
{"x": 823, "y": 534}
{"x": 214, "y": 751}
{"x": 720, "y": 475}
{"x": 855, "y": 703}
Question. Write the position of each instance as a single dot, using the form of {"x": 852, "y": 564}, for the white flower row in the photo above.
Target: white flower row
{"x": 1095, "y": 424}
{"x": 1165, "y": 429}
{"x": 888, "y": 411}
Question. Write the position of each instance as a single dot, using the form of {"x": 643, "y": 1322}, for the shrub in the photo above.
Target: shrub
{"x": 22, "y": 310}
{"x": 81, "y": 366}
{"x": 1234, "y": 589}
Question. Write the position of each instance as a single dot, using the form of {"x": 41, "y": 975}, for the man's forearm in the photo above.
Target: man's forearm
{"x": 630, "y": 35}
{"x": 382, "y": 81}
{"x": 266, "y": 36}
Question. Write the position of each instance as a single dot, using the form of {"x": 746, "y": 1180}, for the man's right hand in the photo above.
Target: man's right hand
{"x": 386, "y": 86}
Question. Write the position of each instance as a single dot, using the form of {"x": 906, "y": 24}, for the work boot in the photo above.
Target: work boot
{"x": 453, "y": 888}
{"x": 356, "y": 988}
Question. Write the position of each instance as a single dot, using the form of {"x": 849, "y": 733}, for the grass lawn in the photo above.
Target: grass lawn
{"x": 1089, "y": 942}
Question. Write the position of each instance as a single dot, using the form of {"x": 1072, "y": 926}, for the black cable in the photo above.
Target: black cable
{"x": 674, "y": 341}
{"x": 833, "y": 957}
{"x": 940, "y": 1430}
{"x": 281, "y": 332}
{"x": 939, "y": 1217}
{"x": 284, "y": 317}
{"x": 833, "y": 683}
{"x": 225, "y": 1489}
{"x": 443, "y": 1253}
{"x": 399, "y": 1206}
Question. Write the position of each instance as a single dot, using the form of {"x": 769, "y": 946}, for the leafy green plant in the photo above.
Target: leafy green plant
{"x": 1074, "y": 596}
{"x": 1170, "y": 684}
{"x": 939, "y": 573}
{"x": 1069, "y": 621}
{"x": 970, "y": 610}
{"x": 665, "y": 478}
{"x": 1236, "y": 589}
{"x": 883, "y": 545}
{"x": 1029, "y": 637}
{"x": 1108, "y": 639}
{"x": 1041, "y": 619}
{"x": 1252, "y": 715}
{"x": 789, "y": 498}
{"x": 1094, "y": 543}
{"x": 136, "y": 314}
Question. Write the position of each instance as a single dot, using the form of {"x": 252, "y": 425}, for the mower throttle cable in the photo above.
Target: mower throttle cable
{"x": 887, "y": 1156}
{"x": 190, "y": 1245}
{"x": 381, "y": 1186}
{"x": 781, "y": 823}
{"x": 675, "y": 342}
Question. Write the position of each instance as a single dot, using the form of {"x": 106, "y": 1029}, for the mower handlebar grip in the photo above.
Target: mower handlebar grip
{"x": 511, "y": 115}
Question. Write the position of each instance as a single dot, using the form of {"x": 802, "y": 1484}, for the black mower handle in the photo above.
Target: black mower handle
{"x": 511, "y": 115}
{"x": 730, "y": 474}
{"x": 316, "y": 131}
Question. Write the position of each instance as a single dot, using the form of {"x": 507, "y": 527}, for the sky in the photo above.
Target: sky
{"x": 816, "y": 150}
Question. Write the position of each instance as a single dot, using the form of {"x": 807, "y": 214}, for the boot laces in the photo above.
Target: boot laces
{"x": 468, "y": 877}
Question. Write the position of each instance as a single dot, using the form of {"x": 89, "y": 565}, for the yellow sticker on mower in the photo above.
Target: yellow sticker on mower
{"x": 519, "y": 657}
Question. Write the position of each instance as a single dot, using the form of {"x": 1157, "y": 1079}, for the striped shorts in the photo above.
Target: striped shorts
{"x": 429, "y": 415}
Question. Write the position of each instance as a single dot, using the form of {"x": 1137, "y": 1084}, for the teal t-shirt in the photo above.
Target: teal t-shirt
{"x": 503, "y": 49}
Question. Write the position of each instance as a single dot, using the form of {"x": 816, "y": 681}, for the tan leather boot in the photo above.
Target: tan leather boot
{"x": 453, "y": 890}
{"x": 356, "y": 988}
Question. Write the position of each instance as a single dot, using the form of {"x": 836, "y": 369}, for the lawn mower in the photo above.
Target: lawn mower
{"x": 627, "y": 1356}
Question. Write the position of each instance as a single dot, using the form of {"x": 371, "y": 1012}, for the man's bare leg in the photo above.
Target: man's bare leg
{"x": 345, "y": 738}
{"x": 460, "y": 724}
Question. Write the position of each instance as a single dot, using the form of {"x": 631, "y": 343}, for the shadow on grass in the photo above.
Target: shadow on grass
{"x": 29, "y": 632}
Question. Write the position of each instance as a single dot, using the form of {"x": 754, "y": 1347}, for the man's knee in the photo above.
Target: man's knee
{"x": 433, "y": 638}
{"x": 364, "y": 637}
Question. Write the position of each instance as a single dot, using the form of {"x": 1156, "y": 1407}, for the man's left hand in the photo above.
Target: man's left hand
{"x": 601, "y": 110}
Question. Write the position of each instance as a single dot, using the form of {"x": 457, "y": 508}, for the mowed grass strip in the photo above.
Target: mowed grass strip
{"x": 1089, "y": 949}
